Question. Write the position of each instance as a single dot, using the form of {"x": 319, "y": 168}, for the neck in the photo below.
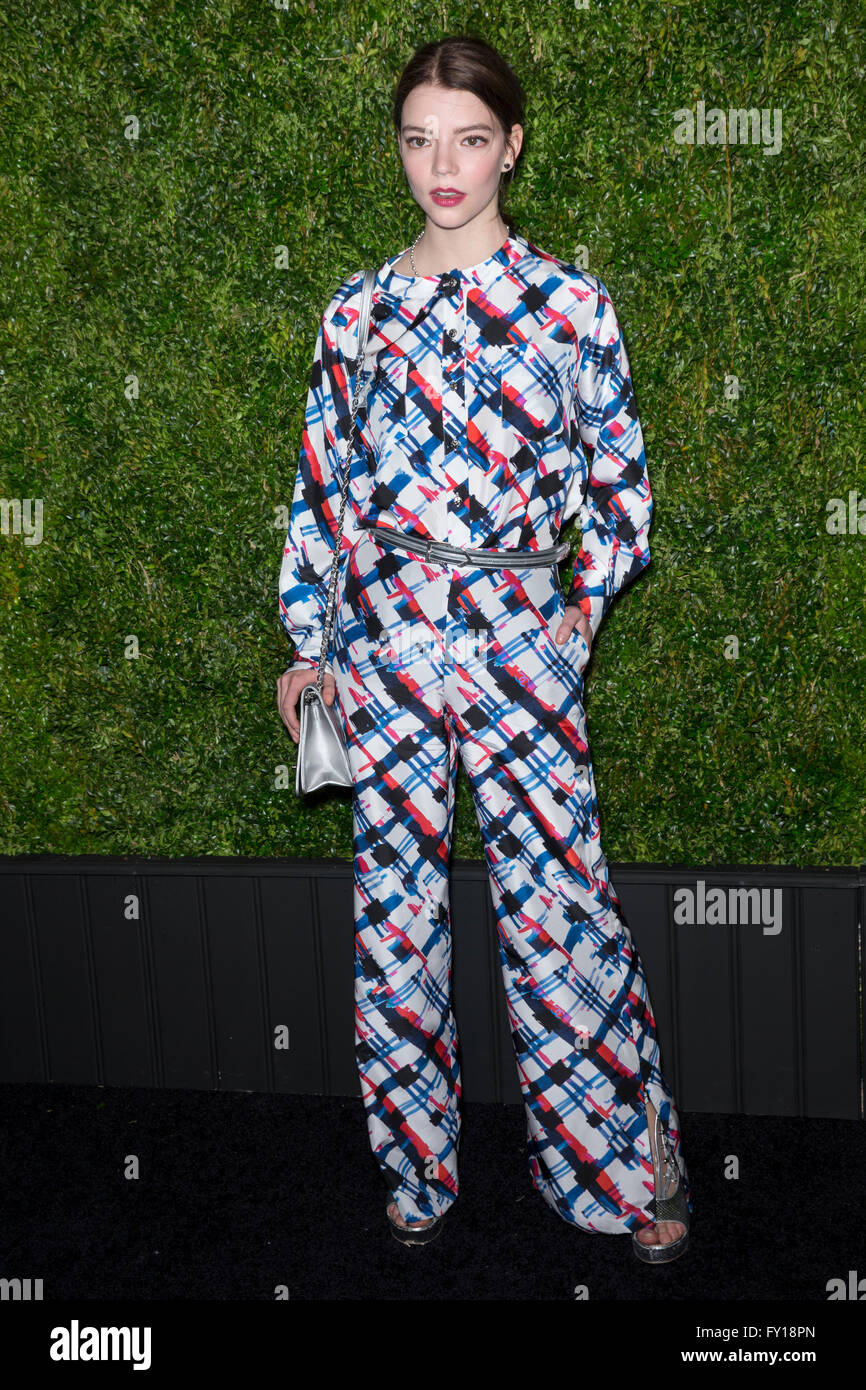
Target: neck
{"x": 441, "y": 249}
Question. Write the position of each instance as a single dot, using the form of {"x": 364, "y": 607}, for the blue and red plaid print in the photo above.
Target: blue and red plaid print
{"x": 485, "y": 386}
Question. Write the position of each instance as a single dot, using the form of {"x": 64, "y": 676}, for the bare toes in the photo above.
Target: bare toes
{"x": 414, "y": 1225}
{"x": 669, "y": 1231}
{"x": 648, "y": 1235}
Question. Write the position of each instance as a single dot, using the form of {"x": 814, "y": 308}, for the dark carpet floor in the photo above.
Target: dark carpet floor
{"x": 239, "y": 1194}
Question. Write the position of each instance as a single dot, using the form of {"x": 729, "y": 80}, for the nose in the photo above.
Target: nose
{"x": 444, "y": 162}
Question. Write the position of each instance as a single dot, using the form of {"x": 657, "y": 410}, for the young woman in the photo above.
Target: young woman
{"x": 496, "y": 366}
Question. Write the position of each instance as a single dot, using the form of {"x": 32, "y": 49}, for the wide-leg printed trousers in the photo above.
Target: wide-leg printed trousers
{"x": 433, "y": 662}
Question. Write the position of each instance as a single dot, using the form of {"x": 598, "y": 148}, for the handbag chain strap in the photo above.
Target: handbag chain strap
{"x": 363, "y": 333}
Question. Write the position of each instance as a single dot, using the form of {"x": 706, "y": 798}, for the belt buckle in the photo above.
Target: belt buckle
{"x": 430, "y": 542}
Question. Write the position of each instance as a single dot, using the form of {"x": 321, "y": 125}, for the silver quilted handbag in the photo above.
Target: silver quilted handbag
{"x": 323, "y": 757}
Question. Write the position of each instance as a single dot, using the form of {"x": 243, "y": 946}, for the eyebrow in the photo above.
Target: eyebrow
{"x": 461, "y": 130}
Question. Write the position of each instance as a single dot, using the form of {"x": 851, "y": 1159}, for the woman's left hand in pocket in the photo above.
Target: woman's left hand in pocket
{"x": 571, "y": 618}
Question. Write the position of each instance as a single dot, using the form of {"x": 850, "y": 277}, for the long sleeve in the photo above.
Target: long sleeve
{"x": 309, "y": 548}
{"x": 616, "y": 510}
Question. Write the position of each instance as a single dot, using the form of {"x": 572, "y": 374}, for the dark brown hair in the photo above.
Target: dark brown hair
{"x": 465, "y": 62}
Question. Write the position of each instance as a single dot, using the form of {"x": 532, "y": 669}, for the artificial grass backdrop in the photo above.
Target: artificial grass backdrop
{"x": 156, "y": 348}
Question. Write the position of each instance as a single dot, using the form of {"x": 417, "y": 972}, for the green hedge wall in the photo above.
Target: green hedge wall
{"x": 155, "y": 358}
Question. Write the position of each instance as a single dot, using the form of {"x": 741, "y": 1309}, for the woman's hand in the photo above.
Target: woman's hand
{"x": 571, "y": 618}
{"x": 289, "y": 687}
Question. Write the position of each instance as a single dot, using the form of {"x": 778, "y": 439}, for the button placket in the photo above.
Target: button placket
{"x": 454, "y": 412}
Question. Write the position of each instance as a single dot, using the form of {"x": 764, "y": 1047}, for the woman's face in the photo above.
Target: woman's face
{"x": 450, "y": 140}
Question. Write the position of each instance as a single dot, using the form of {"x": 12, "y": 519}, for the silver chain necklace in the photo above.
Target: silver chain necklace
{"x": 415, "y": 243}
{"x": 412, "y": 251}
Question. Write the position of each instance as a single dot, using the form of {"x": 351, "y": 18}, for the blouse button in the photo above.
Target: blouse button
{"x": 451, "y": 332}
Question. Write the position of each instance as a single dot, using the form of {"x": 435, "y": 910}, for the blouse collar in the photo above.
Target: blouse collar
{"x": 393, "y": 285}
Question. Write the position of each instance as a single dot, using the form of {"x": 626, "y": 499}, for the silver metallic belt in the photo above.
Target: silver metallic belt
{"x": 445, "y": 554}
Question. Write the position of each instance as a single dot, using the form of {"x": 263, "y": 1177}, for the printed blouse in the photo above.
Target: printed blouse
{"x": 485, "y": 389}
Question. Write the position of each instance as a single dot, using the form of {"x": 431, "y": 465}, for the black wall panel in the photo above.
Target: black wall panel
{"x": 186, "y": 973}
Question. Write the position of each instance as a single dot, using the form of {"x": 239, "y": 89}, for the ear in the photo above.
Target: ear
{"x": 514, "y": 142}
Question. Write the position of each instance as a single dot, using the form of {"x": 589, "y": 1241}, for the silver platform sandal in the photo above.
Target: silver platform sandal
{"x": 413, "y": 1234}
{"x": 671, "y": 1204}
